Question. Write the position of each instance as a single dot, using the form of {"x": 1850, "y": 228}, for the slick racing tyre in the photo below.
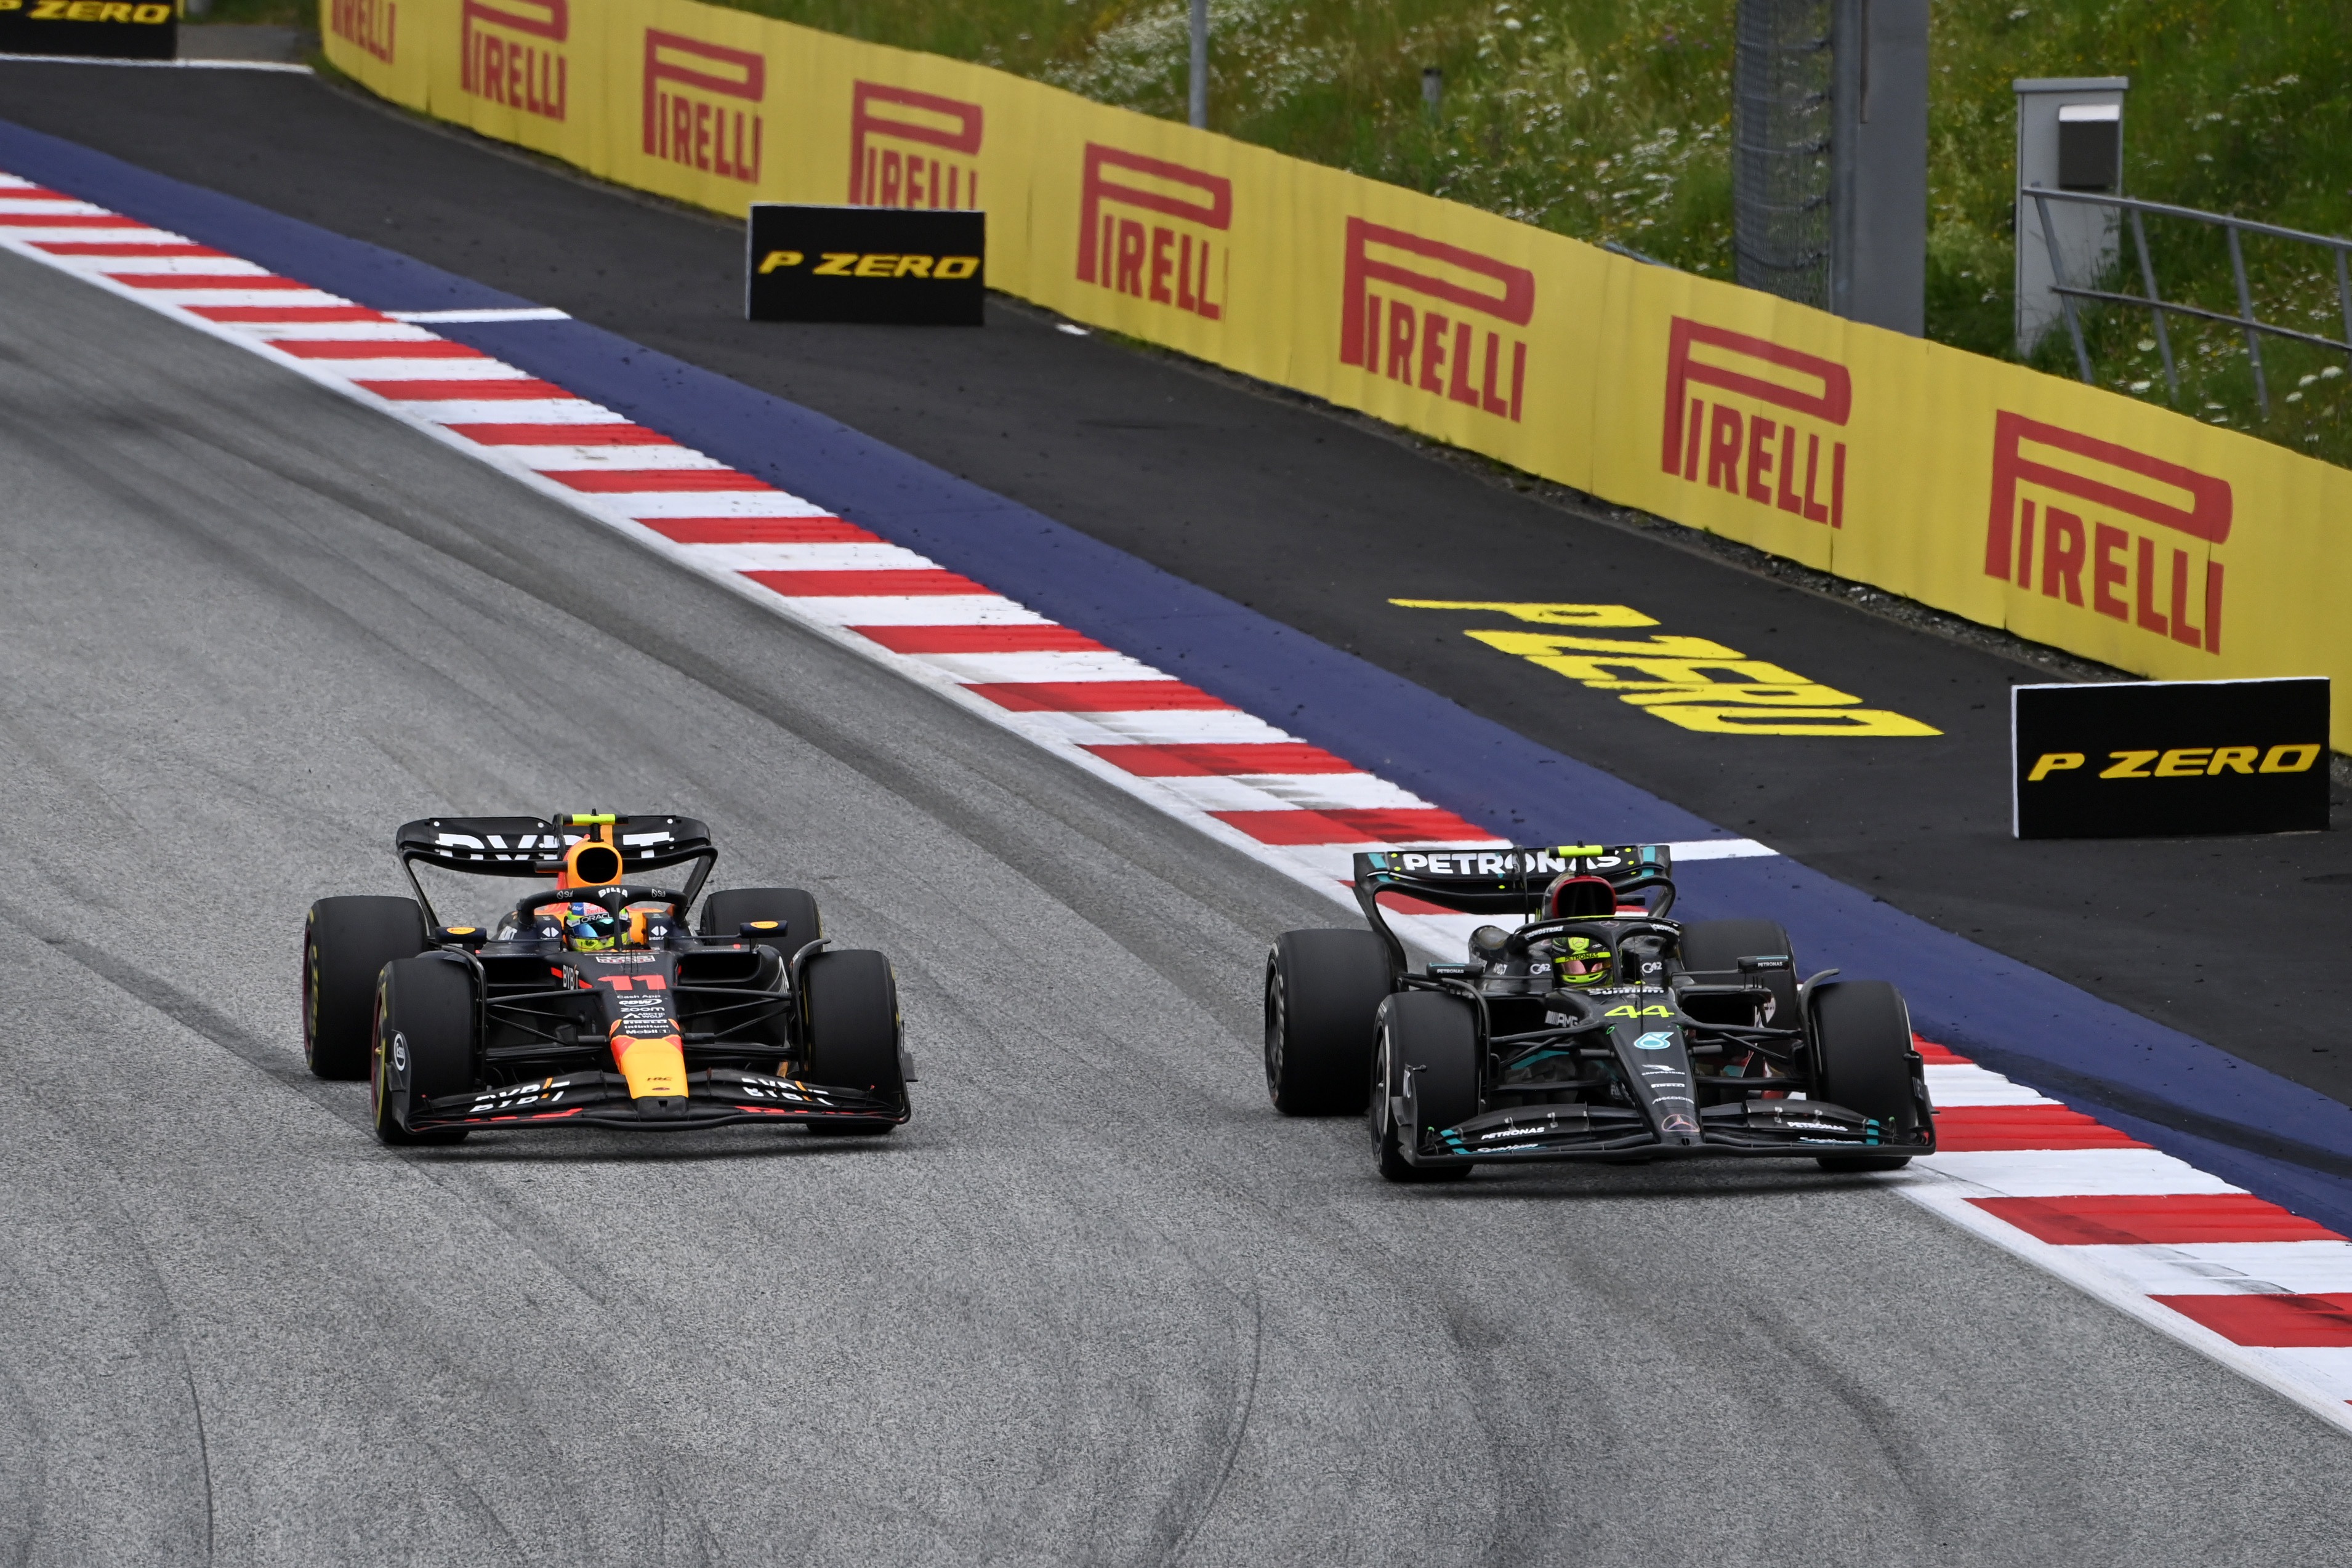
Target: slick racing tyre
{"x": 1322, "y": 990}
{"x": 1711, "y": 949}
{"x": 1434, "y": 1037}
{"x": 424, "y": 1044}
{"x": 1862, "y": 1061}
{"x": 725, "y": 913}
{"x": 346, "y": 942}
{"x": 853, "y": 1033}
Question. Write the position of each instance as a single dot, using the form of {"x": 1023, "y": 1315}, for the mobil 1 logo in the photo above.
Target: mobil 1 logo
{"x": 2168, "y": 759}
{"x": 888, "y": 266}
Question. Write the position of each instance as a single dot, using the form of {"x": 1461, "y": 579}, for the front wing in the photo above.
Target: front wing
{"x": 596, "y": 1099}
{"x": 1747, "y": 1128}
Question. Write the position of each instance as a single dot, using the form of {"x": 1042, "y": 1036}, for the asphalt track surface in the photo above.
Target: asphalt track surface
{"x": 1318, "y": 522}
{"x": 1096, "y": 1303}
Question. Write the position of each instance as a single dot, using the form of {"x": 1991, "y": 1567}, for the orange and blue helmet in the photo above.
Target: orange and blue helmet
{"x": 590, "y": 928}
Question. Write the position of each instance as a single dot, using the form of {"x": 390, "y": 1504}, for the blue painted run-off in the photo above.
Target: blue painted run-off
{"x": 2240, "y": 1122}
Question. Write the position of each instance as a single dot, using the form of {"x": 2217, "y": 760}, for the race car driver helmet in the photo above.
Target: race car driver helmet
{"x": 1580, "y": 961}
{"x": 1571, "y": 897}
{"x": 590, "y": 928}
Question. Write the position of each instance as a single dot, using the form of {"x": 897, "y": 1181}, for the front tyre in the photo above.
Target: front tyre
{"x": 854, "y": 1029}
{"x": 1323, "y": 990}
{"x": 1862, "y": 1061}
{"x": 423, "y": 1045}
{"x": 346, "y": 942}
{"x": 1433, "y": 1039}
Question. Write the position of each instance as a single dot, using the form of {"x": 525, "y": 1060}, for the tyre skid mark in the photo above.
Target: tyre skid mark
{"x": 1185, "y": 752}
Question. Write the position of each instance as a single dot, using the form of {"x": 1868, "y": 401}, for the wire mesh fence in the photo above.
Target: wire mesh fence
{"x": 1780, "y": 148}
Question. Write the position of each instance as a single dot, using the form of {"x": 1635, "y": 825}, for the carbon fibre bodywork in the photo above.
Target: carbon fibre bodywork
{"x": 559, "y": 1036}
{"x": 1662, "y": 1060}
{"x": 666, "y": 1029}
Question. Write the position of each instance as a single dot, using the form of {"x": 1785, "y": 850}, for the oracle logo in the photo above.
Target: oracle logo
{"x": 1403, "y": 334}
{"x": 520, "y": 71}
{"x": 694, "y": 96}
{"x": 2101, "y": 480}
{"x": 1743, "y": 450}
{"x": 1167, "y": 263}
{"x": 910, "y": 149}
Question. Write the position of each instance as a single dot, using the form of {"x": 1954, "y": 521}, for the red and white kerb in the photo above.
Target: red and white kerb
{"x": 2247, "y": 1283}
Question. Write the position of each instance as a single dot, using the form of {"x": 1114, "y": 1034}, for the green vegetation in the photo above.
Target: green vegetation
{"x": 1609, "y": 119}
{"x": 2237, "y": 106}
{"x": 274, "y": 13}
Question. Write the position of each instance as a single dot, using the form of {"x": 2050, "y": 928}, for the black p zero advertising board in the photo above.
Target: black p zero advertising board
{"x": 889, "y": 266}
{"x": 2168, "y": 759}
{"x": 114, "y": 30}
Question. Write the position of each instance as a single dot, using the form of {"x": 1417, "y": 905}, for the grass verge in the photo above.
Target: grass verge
{"x": 1610, "y": 120}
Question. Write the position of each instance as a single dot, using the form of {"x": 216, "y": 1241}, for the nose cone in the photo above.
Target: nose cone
{"x": 656, "y": 1068}
{"x": 1656, "y": 1063}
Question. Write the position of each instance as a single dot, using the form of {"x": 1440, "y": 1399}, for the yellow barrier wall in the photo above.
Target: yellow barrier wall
{"x": 2077, "y": 518}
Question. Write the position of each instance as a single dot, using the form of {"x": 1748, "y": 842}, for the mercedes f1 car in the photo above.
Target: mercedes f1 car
{"x": 590, "y": 1003}
{"x": 1596, "y": 1028}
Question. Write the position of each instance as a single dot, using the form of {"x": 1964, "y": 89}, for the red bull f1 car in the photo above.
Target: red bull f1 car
{"x": 1592, "y": 1027}
{"x": 589, "y": 1001}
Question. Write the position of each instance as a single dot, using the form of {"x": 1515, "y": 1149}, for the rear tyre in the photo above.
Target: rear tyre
{"x": 1323, "y": 990}
{"x": 424, "y": 1044}
{"x": 1862, "y": 1061}
{"x": 725, "y": 913}
{"x": 1436, "y": 1039}
{"x": 853, "y": 1033}
{"x": 1712, "y": 950}
{"x": 346, "y": 942}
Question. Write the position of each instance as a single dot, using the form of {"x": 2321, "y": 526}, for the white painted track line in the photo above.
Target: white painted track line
{"x": 2190, "y": 1255}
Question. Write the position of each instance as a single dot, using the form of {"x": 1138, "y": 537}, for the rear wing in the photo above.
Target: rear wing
{"x": 534, "y": 846}
{"x": 1508, "y": 882}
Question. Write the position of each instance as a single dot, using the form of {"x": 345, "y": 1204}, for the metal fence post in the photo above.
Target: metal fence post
{"x": 2246, "y": 314}
{"x": 2344, "y": 297}
{"x": 1200, "y": 95}
{"x": 1878, "y": 162}
{"x": 2065, "y": 298}
{"x": 2155, "y": 303}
